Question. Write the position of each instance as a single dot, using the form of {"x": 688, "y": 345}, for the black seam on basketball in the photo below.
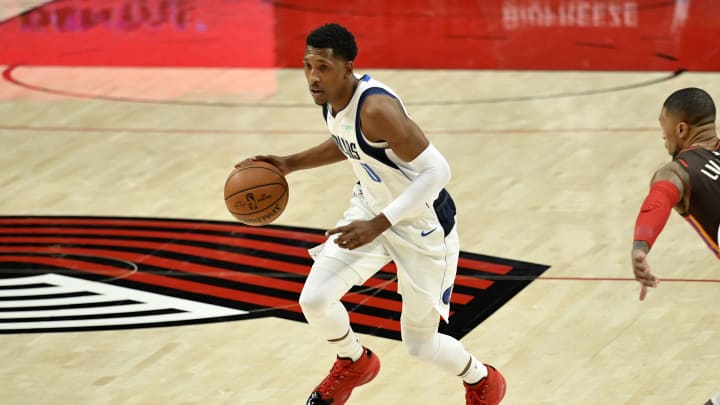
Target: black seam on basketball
{"x": 239, "y": 169}
{"x": 254, "y": 187}
{"x": 262, "y": 214}
{"x": 285, "y": 191}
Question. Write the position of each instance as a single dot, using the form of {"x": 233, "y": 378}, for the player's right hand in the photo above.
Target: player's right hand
{"x": 642, "y": 272}
{"x": 278, "y": 161}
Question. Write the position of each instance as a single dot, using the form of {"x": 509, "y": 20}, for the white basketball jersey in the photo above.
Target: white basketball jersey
{"x": 381, "y": 174}
{"x": 424, "y": 245}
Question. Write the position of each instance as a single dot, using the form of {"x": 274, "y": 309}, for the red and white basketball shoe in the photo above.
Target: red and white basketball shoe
{"x": 344, "y": 376}
{"x": 488, "y": 391}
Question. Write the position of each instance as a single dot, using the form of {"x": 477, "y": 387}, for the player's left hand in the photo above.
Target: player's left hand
{"x": 642, "y": 272}
{"x": 359, "y": 233}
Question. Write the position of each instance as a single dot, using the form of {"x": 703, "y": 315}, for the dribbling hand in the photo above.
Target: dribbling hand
{"x": 278, "y": 161}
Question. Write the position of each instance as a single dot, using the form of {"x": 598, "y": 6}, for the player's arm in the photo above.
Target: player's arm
{"x": 384, "y": 119}
{"x": 323, "y": 154}
{"x": 320, "y": 155}
{"x": 667, "y": 190}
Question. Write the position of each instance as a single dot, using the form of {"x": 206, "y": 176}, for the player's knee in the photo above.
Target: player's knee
{"x": 421, "y": 346}
{"x": 312, "y": 302}
{"x": 328, "y": 281}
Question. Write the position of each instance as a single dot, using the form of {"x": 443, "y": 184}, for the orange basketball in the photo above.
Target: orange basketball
{"x": 256, "y": 193}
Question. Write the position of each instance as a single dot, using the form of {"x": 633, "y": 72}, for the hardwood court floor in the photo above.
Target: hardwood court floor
{"x": 551, "y": 133}
{"x": 537, "y": 176}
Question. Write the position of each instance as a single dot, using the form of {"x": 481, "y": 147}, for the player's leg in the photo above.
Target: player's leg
{"x": 332, "y": 275}
{"x": 419, "y": 328}
{"x": 335, "y": 271}
{"x": 426, "y": 284}
{"x": 329, "y": 280}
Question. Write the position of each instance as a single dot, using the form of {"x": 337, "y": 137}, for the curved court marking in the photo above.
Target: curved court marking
{"x": 219, "y": 131}
{"x": 9, "y": 77}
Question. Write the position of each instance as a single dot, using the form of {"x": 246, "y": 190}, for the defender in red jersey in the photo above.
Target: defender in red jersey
{"x": 690, "y": 183}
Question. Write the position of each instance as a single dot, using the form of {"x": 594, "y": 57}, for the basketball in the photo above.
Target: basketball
{"x": 256, "y": 193}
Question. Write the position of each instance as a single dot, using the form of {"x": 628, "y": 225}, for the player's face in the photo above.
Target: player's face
{"x": 671, "y": 137}
{"x": 325, "y": 74}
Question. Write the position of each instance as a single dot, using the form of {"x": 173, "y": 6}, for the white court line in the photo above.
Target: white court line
{"x": 133, "y": 320}
{"x": 55, "y": 301}
{"x": 115, "y": 309}
{"x": 23, "y": 280}
{"x": 191, "y": 310}
{"x": 20, "y": 292}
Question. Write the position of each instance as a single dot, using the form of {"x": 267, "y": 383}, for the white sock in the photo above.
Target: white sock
{"x": 349, "y": 346}
{"x": 476, "y": 372}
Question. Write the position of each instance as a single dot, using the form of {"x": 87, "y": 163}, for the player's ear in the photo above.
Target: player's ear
{"x": 683, "y": 129}
{"x": 348, "y": 68}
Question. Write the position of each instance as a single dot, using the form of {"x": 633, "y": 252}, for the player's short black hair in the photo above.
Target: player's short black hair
{"x": 691, "y": 105}
{"x": 335, "y": 37}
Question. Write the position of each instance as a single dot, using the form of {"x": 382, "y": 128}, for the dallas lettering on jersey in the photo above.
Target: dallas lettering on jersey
{"x": 348, "y": 148}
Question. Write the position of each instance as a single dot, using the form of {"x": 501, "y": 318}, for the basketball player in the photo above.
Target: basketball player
{"x": 399, "y": 212}
{"x": 690, "y": 183}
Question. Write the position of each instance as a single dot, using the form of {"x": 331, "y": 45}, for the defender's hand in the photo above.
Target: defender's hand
{"x": 641, "y": 269}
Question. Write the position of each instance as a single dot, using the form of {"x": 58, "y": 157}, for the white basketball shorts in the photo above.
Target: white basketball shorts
{"x": 426, "y": 259}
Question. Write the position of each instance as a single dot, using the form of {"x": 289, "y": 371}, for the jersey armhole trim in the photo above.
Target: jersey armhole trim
{"x": 374, "y": 152}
